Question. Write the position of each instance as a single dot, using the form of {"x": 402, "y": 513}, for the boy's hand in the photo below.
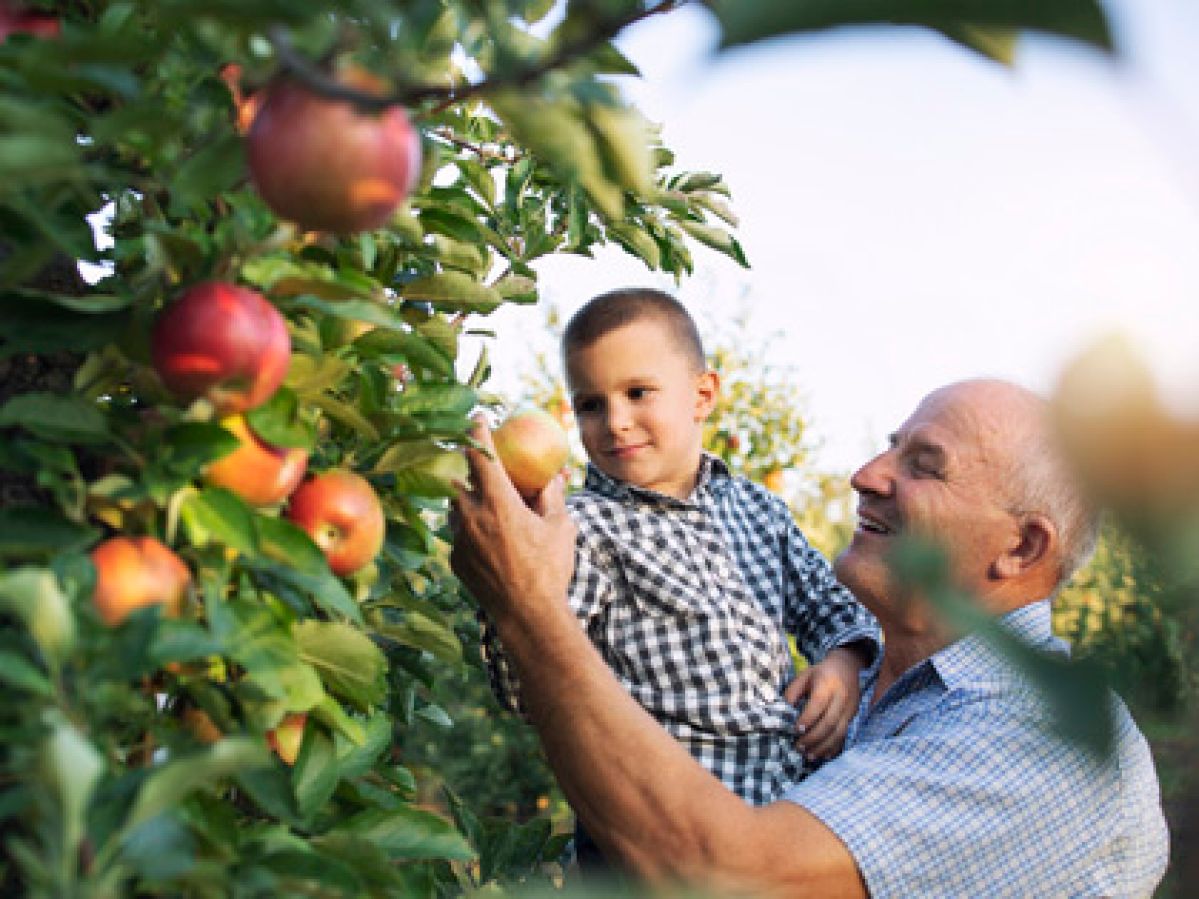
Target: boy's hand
{"x": 830, "y": 693}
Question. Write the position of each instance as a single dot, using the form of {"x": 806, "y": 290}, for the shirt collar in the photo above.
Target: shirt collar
{"x": 714, "y": 476}
{"x": 972, "y": 657}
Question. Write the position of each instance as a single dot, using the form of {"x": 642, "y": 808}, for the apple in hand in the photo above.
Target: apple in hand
{"x": 327, "y": 165}
{"x": 342, "y": 514}
{"x": 223, "y": 342}
{"x": 258, "y": 472}
{"x": 532, "y": 447}
{"x": 135, "y": 572}
{"x": 288, "y": 736}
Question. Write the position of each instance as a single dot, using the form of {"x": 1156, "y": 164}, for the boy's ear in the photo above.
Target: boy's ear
{"x": 707, "y": 389}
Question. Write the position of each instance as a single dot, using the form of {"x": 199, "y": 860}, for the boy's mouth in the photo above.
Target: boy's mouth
{"x": 625, "y": 452}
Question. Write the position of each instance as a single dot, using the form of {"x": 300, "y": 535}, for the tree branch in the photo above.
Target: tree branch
{"x": 321, "y": 82}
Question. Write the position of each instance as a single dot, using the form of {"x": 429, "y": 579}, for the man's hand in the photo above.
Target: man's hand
{"x": 510, "y": 555}
{"x": 830, "y": 693}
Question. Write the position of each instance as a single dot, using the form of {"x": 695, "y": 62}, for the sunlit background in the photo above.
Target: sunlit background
{"x": 915, "y": 214}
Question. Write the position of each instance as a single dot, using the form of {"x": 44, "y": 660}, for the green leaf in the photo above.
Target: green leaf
{"x": 213, "y": 169}
{"x": 408, "y": 832}
{"x": 451, "y": 399}
{"x": 454, "y": 292}
{"x": 34, "y": 595}
{"x": 424, "y": 469}
{"x": 70, "y": 419}
{"x": 285, "y": 276}
{"x": 193, "y": 444}
{"x": 300, "y": 563}
{"x": 36, "y": 530}
{"x": 18, "y": 672}
{"x": 744, "y": 21}
{"x": 160, "y": 848}
{"x": 422, "y": 632}
{"x": 347, "y": 414}
{"x": 637, "y": 242}
{"x": 360, "y": 757}
{"x": 311, "y": 376}
{"x": 215, "y": 514}
{"x": 717, "y": 239}
{"x": 365, "y": 310}
{"x": 330, "y": 713}
{"x": 182, "y": 641}
{"x": 516, "y": 289}
{"x": 278, "y": 421}
{"x": 998, "y": 44}
{"x": 169, "y": 784}
{"x": 415, "y": 349}
{"x": 315, "y": 774}
{"x": 349, "y": 663}
{"x": 624, "y": 136}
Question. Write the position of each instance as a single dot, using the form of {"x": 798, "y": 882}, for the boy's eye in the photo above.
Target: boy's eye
{"x": 638, "y": 393}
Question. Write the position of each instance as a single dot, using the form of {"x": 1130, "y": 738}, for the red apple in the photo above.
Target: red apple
{"x": 258, "y": 472}
{"x": 222, "y": 342}
{"x": 14, "y": 19}
{"x": 342, "y": 515}
{"x": 288, "y": 737}
{"x": 325, "y": 164}
{"x": 532, "y": 447}
{"x": 136, "y": 572}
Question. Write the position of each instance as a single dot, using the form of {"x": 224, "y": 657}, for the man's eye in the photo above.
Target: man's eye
{"x": 585, "y": 407}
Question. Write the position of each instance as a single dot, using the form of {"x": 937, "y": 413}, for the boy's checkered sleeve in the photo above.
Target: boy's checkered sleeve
{"x": 590, "y": 593}
{"x": 821, "y": 612}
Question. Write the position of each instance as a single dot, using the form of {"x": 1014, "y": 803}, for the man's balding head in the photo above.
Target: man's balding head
{"x": 975, "y": 470}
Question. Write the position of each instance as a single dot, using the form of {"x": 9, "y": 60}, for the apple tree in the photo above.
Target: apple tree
{"x": 226, "y": 451}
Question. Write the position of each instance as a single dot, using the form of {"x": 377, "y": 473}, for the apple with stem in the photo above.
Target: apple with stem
{"x": 341, "y": 512}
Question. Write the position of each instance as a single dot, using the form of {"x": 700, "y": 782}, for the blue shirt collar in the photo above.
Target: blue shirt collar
{"x": 971, "y": 657}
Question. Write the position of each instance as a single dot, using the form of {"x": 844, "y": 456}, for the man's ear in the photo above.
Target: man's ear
{"x": 1036, "y": 543}
{"x": 707, "y": 390}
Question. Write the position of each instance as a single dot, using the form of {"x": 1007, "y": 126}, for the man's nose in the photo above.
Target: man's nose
{"x": 876, "y": 476}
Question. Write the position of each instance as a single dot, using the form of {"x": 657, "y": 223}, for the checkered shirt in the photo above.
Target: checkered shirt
{"x": 690, "y": 602}
{"x": 951, "y": 785}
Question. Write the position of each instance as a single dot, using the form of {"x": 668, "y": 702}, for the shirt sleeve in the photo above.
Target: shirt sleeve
{"x": 821, "y": 613}
{"x": 590, "y": 592}
{"x": 977, "y": 806}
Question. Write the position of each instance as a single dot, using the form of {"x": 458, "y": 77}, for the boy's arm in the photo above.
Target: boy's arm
{"x": 822, "y": 613}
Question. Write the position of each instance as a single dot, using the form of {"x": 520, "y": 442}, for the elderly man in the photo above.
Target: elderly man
{"x": 950, "y": 783}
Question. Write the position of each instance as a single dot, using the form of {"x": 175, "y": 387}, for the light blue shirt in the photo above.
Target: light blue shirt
{"x": 952, "y": 785}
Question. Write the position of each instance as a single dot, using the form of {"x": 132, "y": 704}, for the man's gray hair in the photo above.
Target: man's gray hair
{"x": 1043, "y": 481}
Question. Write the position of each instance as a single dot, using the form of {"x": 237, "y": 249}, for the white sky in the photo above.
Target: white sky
{"x": 916, "y": 214}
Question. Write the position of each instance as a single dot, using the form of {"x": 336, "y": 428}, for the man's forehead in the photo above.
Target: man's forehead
{"x": 953, "y": 421}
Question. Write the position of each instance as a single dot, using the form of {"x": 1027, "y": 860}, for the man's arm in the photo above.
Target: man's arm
{"x": 638, "y": 792}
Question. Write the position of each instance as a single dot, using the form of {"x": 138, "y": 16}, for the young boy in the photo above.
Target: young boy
{"x": 687, "y": 579}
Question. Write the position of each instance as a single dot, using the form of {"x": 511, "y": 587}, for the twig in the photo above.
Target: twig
{"x": 321, "y": 82}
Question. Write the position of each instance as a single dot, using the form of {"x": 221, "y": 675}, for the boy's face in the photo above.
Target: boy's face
{"x": 640, "y": 406}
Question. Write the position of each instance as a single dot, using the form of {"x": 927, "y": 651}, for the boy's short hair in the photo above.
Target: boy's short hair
{"x": 605, "y": 313}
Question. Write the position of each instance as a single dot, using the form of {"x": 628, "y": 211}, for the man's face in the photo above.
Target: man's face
{"x": 943, "y": 480}
{"x": 640, "y": 406}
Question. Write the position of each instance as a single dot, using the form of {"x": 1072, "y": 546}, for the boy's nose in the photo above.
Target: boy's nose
{"x": 619, "y": 418}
